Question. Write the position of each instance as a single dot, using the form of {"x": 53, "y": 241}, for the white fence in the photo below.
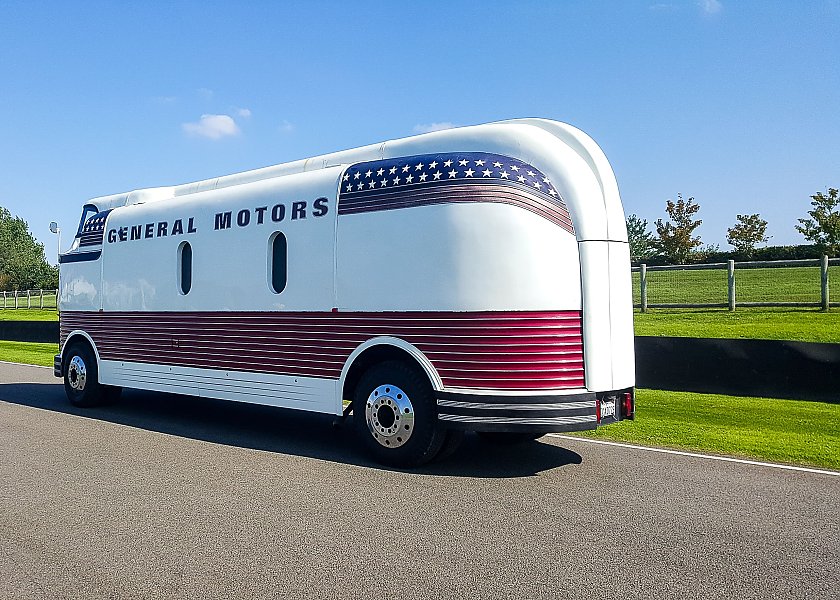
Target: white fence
{"x": 22, "y": 299}
{"x": 780, "y": 283}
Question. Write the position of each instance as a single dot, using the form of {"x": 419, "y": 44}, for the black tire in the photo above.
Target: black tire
{"x": 81, "y": 378}
{"x": 505, "y": 438}
{"x": 395, "y": 415}
{"x": 451, "y": 443}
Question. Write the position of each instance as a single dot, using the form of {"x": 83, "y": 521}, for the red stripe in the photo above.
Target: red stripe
{"x": 554, "y": 211}
{"x": 477, "y": 350}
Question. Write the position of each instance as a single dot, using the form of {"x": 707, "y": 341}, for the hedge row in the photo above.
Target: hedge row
{"x": 766, "y": 253}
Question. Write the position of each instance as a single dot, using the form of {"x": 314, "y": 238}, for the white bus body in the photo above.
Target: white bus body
{"x": 486, "y": 267}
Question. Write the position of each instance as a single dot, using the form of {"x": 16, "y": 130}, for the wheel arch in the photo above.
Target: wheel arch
{"x": 380, "y": 349}
{"x": 75, "y": 336}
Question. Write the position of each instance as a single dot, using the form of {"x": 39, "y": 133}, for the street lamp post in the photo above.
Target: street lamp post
{"x": 54, "y": 228}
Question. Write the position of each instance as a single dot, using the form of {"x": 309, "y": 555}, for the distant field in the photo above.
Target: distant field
{"x": 808, "y": 325}
{"x": 788, "y": 431}
{"x": 24, "y": 314}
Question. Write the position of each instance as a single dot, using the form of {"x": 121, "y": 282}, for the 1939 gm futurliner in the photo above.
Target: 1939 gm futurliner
{"x": 470, "y": 279}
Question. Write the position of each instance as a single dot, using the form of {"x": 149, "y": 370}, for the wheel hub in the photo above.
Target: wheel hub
{"x": 77, "y": 373}
{"x": 389, "y": 415}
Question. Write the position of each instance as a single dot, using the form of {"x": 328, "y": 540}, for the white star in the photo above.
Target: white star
{"x": 423, "y": 177}
{"x": 452, "y": 174}
{"x": 486, "y": 172}
{"x": 418, "y": 167}
{"x": 531, "y": 174}
{"x": 409, "y": 179}
{"x": 514, "y": 168}
{"x": 497, "y": 164}
{"x": 361, "y": 185}
{"x": 349, "y": 187}
{"x": 504, "y": 174}
{"x": 469, "y": 173}
{"x": 433, "y": 165}
{"x": 437, "y": 175}
{"x": 463, "y": 162}
{"x": 356, "y": 175}
{"x": 448, "y": 163}
{"x": 380, "y": 171}
{"x": 405, "y": 169}
{"x": 546, "y": 181}
{"x": 479, "y": 163}
{"x": 537, "y": 185}
{"x": 521, "y": 179}
{"x": 396, "y": 180}
{"x": 392, "y": 170}
{"x": 383, "y": 183}
{"x": 552, "y": 193}
{"x": 346, "y": 177}
{"x": 369, "y": 173}
{"x": 372, "y": 184}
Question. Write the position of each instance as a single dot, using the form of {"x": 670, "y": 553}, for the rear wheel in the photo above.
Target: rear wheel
{"x": 81, "y": 378}
{"x": 395, "y": 415}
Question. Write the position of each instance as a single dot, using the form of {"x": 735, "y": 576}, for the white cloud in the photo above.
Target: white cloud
{"x": 429, "y": 127}
{"x": 205, "y": 93}
{"x": 212, "y": 127}
{"x": 710, "y": 7}
{"x": 244, "y": 112}
{"x": 286, "y": 127}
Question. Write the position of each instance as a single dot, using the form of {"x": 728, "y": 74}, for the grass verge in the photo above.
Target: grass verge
{"x": 28, "y": 353}
{"x": 786, "y": 431}
{"x": 753, "y": 323}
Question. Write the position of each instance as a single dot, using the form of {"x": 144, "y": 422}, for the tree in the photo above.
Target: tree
{"x": 823, "y": 228}
{"x": 746, "y": 233}
{"x": 22, "y": 261}
{"x": 641, "y": 240}
{"x": 675, "y": 239}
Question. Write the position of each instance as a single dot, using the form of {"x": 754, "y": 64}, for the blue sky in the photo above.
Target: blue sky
{"x": 734, "y": 103}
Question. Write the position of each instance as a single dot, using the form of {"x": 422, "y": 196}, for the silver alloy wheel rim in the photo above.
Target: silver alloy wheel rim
{"x": 77, "y": 373}
{"x": 390, "y": 416}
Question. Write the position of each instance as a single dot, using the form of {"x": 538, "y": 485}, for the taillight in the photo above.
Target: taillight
{"x": 628, "y": 404}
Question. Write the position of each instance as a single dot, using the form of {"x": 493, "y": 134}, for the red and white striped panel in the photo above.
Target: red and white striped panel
{"x": 471, "y": 350}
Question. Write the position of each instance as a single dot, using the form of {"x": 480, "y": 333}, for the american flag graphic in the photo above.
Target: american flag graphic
{"x": 429, "y": 179}
{"x": 93, "y": 229}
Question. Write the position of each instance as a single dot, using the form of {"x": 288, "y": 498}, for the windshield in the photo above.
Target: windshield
{"x": 87, "y": 212}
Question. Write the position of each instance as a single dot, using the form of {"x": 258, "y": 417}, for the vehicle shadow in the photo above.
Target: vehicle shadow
{"x": 283, "y": 431}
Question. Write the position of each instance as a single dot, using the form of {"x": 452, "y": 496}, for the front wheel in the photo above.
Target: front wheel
{"x": 395, "y": 415}
{"x": 81, "y": 379}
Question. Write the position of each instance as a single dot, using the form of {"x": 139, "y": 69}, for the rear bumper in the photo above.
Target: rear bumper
{"x": 531, "y": 414}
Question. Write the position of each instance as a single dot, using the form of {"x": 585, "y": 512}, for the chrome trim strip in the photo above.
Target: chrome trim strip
{"x": 524, "y": 407}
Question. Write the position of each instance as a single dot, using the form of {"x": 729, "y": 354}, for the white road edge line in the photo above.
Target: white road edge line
{"x": 696, "y": 455}
{"x": 8, "y": 362}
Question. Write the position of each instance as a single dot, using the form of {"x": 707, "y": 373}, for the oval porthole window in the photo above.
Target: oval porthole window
{"x": 185, "y": 267}
{"x": 277, "y": 262}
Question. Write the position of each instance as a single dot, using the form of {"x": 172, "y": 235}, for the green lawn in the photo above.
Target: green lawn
{"x": 27, "y": 314}
{"x": 802, "y": 324}
{"x": 788, "y": 431}
{"x": 28, "y": 353}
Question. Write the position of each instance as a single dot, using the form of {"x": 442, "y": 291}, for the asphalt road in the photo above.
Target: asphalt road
{"x": 166, "y": 496}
